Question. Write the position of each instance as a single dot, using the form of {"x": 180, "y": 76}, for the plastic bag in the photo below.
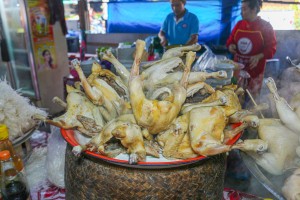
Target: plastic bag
{"x": 56, "y": 158}
{"x": 207, "y": 60}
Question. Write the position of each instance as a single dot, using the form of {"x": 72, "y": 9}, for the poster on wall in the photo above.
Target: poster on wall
{"x": 42, "y": 35}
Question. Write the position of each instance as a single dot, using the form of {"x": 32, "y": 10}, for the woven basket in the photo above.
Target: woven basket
{"x": 90, "y": 179}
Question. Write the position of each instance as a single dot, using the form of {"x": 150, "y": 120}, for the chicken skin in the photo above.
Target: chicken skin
{"x": 281, "y": 146}
{"x": 206, "y": 130}
{"x": 156, "y": 115}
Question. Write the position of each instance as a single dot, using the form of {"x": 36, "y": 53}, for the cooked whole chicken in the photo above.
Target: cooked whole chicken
{"x": 126, "y": 111}
{"x": 101, "y": 93}
{"x": 280, "y": 143}
{"x": 80, "y": 114}
{"x": 288, "y": 117}
{"x": 206, "y": 130}
{"x": 97, "y": 143}
{"x": 131, "y": 138}
{"x": 291, "y": 187}
{"x": 172, "y": 138}
{"x": 156, "y": 115}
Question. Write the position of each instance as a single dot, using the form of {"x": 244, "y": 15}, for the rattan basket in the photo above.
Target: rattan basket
{"x": 89, "y": 178}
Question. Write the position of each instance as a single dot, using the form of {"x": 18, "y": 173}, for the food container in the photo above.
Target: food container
{"x": 226, "y": 67}
{"x": 86, "y": 66}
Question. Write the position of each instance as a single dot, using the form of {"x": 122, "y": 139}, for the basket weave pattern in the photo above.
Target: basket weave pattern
{"x": 91, "y": 179}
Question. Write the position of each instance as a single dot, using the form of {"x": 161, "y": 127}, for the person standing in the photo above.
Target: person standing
{"x": 180, "y": 27}
{"x": 252, "y": 41}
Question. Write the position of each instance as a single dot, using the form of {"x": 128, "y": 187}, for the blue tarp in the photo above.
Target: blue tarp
{"x": 216, "y": 17}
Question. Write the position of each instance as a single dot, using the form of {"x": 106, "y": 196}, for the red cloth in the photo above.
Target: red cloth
{"x": 230, "y": 194}
{"x": 252, "y": 38}
{"x": 48, "y": 191}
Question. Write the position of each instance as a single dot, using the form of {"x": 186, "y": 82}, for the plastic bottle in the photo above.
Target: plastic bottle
{"x": 6, "y": 144}
{"x": 13, "y": 183}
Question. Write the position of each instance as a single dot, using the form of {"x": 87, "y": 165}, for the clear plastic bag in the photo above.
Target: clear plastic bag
{"x": 56, "y": 158}
{"x": 207, "y": 61}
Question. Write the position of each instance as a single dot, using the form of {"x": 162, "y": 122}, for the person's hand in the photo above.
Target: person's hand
{"x": 232, "y": 48}
{"x": 163, "y": 41}
{"x": 255, "y": 59}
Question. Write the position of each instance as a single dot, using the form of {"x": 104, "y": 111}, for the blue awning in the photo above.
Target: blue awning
{"x": 216, "y": 17}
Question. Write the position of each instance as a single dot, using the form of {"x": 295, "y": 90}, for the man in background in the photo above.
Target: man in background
{"x": 180, "y": 27}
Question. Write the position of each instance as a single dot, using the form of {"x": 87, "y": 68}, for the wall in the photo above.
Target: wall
{"x": 288, "y": 44}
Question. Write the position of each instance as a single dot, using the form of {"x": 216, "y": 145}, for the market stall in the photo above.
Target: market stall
{"x": 135, "y": 125}
{"x": 116, "y": 155}
{"x": 137, "y": 165}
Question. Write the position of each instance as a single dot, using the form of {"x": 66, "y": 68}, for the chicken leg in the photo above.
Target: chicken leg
{"x": 131, "y": 138}
{"x": 285, "y": 112}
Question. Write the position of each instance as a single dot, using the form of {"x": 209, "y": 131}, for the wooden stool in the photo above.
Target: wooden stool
{"x": 89, "y": 178}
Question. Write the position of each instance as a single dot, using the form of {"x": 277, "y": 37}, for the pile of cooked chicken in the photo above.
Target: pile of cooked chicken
{"x": 148, "y": 112}
{"x": 145, "y": 111}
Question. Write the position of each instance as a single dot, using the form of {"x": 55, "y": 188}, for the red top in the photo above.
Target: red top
{"x": 252, "y": 38}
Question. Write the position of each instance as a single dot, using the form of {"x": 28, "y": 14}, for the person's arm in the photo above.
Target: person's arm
{"x": 270, "y": 41}
{"x": 193, "y": 39}
{"x": 163, "y": 39}
{"x": 230, "y": 43}
{"x": 194, "y": 31}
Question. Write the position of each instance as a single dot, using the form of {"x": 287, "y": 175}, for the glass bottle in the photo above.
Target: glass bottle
{"x": 13, "y": 183}
{"x": 6, "y": 144}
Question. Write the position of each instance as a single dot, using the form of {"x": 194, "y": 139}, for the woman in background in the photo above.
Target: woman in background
{"x": 252, "y": 41}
